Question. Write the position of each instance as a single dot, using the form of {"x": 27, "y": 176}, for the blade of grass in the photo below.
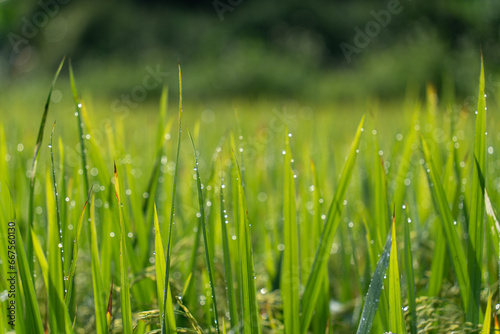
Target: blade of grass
{"x": 247, "y": 273}
{"x": 410, "y": 280}
{"x": 81, "y": 127}
{"x": 58, "y": 313}
{"x": 455, "y": 247}
{"x": 31, "y": 208}
{"x": 74, "y": 258}
{"x": 487, "y": 316}
{"x": 476, "y": 229}
{"x": 313, "y": 286}
{"x": 124, "y": 286}
{"x": 396, "y": 324}
{"x": 172, "y": 207}
{"x": 208, "y": 254}
{"x": 160, "y": 272}
{"x": 98, "y": 288}
{"x": 233, "y": 313}
{"x": 290, "y": 271}
{"x": 375, "y": 288}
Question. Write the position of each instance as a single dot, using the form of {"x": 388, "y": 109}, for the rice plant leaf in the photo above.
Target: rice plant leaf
{"x": 493, "y": 224}
{"x": 172, "y": 209}
{"x": 98, "y": 288}
{"x": 487, "y": 317}
{"x": 124, "y": 286}
{"x": 290, "y": 272}
{"x": 375, "y": 288}
{"x": 31, "y": 208}
{"x": 228, "y": 271}
{"x": 81, "y": 127}
{"x": 396, "y": 324}
{"x": 476, "y": 229}
{"x": 58, "y": 313}
{"x": 76, "y": 243}
{"x": 455, "y": 247}
{"x": 208, "y": 255}
{"x": 247, "y": 273}
{"x": 160, "y": 277}
{"x": 313, "y": 286}
{"x": 410, "y": 280}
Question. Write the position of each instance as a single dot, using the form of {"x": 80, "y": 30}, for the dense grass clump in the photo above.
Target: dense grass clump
{"x": 292, "y": 221}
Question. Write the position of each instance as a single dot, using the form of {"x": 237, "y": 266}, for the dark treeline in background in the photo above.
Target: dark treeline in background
{"x": 300, "y": 49}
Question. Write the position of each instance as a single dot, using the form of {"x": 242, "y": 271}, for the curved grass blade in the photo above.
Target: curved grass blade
{"x": 209, "y": 256}
{"x": 313, "y": 286}
{"x": 160, "y": 272}
{"x": 172, "y": 208}
{"x": 375, "y": 288}
{"x": 290, "y": 271}
{"x": 98, "y": 288}
{"x": 29, "y": 246}
{"x": 124, "y": 286}
{"x": 455, "y": 248}
{"x": 487, "y": 317}
{"x": 396, "y": 322}
{"x": 231, "y": 299}
{"x": 476, "y": 221}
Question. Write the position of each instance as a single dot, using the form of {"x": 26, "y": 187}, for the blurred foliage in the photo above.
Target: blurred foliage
{"x": 252, "y": 48}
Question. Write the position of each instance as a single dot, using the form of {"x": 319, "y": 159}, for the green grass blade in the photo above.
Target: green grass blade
{"x": 396, "y": 323}
{"x": 313, "y": 286}
{"x": 58, "y": 313}
{"x": 375, "y": 288}
{"x": 231, "y": 299}
{"x": 160, "y": 278}
{"x": 31, "y": 208}
{"x": 76, "y": 243}
{"x": 290, "y": 271}
{"x": 209, "y": 256}
{"x": 247, "y": 273}
{"x": 476, "y": 221}
{"x": 410, "y": 279}
{"x": 98, "y": 288}
{"x": 172, "y": 208}
{"x": 124, "y": 286}
{"x": 81, "y": 127}
{"x": 455, "y": 247}
{"x": 487, "y": 317}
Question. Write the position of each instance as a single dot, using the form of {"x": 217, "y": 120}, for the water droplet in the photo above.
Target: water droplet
{"x": 76, "y": 113}
{"x": 404, "y": 206}
{"x": 455, "y": 222}
{"x": 60, "y": 245}
{"x": 283, "y": 152}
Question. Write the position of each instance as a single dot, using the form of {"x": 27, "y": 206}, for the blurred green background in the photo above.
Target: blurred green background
{"x": 253, "y": 49}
